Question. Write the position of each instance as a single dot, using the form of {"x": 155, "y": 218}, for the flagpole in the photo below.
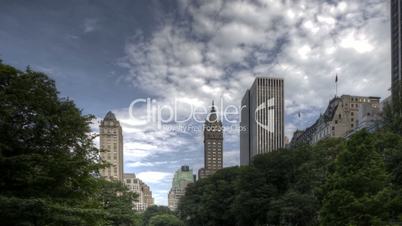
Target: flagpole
{"x": 336, "y": 85}
{"x": 336, "y": 92}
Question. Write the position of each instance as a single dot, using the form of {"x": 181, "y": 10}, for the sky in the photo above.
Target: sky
{"x": 106, "y": 54}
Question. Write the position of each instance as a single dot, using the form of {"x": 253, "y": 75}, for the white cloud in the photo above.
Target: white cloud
{"x": 217, "y": 46}
{"x": 231, "y": 158}
{"x": 304, "y": 51}
{"x": 358, "y": 42}
{"x": 154, "y": 177}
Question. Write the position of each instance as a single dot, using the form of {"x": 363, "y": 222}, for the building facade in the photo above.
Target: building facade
{"x": 344, "y": 116}
{"x": 135, "y": 185}
{"x": 396, "y": 49}
{"x": 262, "y": 118}
{"x": 182, "y": 178}
{"x": 213, "y": 145}
{"x": 111, "y": 146}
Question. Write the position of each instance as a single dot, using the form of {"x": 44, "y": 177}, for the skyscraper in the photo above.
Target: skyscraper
{"x": 111, "y": 145}
{"x": 396, "y": 48}
{"x": 136, "y": 185}
{"x": 182, "y": 178}
{"x": 213, "y": 144}
{"x": 262, "y": 118}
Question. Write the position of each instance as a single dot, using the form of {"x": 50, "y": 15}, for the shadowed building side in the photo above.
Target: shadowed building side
{"x": 396, "y": 49}
{"x": 245, "y": 129}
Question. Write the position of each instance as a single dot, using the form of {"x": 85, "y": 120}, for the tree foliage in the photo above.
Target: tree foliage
{"x": 165, "y": 220}
{"x": 334, "y": 182}
{"x": 358, "y": 187}
{"x": 208, "y": 202}
{"x": 153, "y": 211}
{"x": 160, "y": 216}
{"x": 48, "y": 162}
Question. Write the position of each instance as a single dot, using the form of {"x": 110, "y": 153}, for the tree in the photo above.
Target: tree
{"x": 287, "y": 191}
{"x": 209, "y": 200}
{"x": 279, "y": 188}
{"x": 117, "y": 200}
{"x": 165, "y": 220}
{"x": 357, "y": 193}
{"x": 45, "y": 149}
{"x": 153, "y": 211}
{"x": 389, "y": 145}
{"x": 253, "y": 193}
{"x": 49, "y": 165}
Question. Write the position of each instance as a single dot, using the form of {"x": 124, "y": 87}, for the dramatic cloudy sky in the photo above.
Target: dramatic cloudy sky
{"x": 105, "y": 54}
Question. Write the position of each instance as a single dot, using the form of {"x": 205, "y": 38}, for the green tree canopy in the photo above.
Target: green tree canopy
{"x": 48, "y": 162}
{"x": 356, "y": 193}
{"x": 165, "y": 220}
{"x": 209, "y": 201}
{"x": 333, "y": 182}
{"x": 153, "y": 211}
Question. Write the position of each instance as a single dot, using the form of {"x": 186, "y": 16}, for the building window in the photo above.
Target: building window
{"x": 336, "y": 121}
{"x": 333, "y": 128}
{"x": 340, "y": 116}
{"x": 351, "y": 125}
{"x": 352, "y": 113}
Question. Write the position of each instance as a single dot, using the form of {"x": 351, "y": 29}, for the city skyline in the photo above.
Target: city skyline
{"x": 103, "y": 72}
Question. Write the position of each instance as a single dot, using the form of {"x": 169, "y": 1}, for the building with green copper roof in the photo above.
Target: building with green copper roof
{"x": 182, "y": 178}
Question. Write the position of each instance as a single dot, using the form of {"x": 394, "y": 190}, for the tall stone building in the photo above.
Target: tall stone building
{"x": 344, "y": 116}
{"x": 182, "y": 178}
{"x": 111, "y": 145}
{"x": 135, "y": 185}
{"x": 262, "y": 118}
{"x": 213, "y": 144}
{"x": 396, "y": 49}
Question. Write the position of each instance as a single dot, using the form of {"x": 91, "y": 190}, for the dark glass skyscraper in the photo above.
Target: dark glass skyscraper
{"x": 396, "y": 48}
{"x": 262, "y": 118}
